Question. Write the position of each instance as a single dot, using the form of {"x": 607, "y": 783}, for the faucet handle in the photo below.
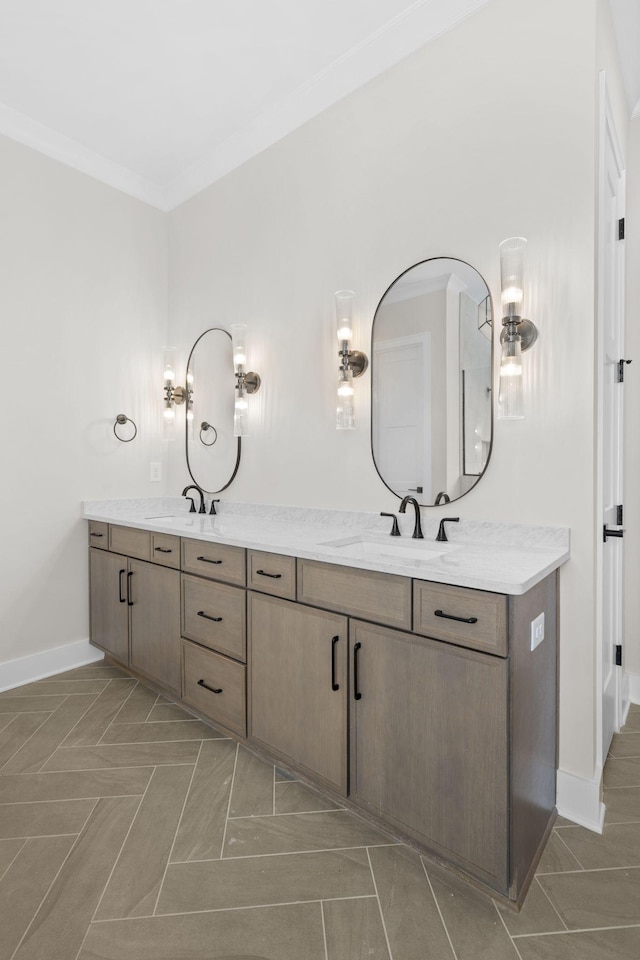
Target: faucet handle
{"x": 442, "y": 533}
{"x": 212, "y": 509}
{"x": 192, "y": 508}
{"x": 395, "y": 529}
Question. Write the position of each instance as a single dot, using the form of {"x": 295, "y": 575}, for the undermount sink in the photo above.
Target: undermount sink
{"x": 384, "y": 548}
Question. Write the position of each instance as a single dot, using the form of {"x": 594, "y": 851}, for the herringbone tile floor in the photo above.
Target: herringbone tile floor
{"x": 131, "y": 831}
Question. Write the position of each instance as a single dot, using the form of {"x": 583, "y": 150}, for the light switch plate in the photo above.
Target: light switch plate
{"x": 155, "y": 471}
{"x": 537, "y": 631}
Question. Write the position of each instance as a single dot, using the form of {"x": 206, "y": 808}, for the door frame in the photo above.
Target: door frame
{"x": 607, "y": 131}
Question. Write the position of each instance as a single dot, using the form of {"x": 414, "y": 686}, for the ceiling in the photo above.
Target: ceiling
{"x": 159, "y": 98}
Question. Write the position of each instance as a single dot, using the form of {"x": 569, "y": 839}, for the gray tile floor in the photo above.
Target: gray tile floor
{"x": 131, "y": 831}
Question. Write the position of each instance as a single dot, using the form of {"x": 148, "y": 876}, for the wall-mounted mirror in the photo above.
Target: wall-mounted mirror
{"x": 432, "y": 362}
{"x": 213, "y": 453}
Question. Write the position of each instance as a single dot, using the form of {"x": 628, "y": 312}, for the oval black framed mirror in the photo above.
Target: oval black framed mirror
{"x": 431, "y": 381}
{"x": 212, "y": 451}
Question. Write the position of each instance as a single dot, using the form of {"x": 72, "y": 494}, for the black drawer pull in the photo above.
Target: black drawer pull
{"x": 162, "y": 550}
{"x": 206, "y": 560}
{"x": 120, "y": 597}
{"x": 334, "y": 685}
{"x": 274, "y": 576}
{"x": 450, "y": 616}
{"x": 201, "y": 683}
{"x": 129, "y": 600}
{"x": 356, "y": 693}
{"x": 206, "y": 616}
{"x": 96, "y": 534}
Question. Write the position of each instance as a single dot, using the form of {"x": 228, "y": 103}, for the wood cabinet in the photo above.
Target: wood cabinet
{"x": 108, "y": 610}
{"x": 154, "y": 644}
{"x": 419, "y": 703}
{"x": 429, "y": 745}
{"x": 135, "y": 615}
{"x": 298, "y": 686}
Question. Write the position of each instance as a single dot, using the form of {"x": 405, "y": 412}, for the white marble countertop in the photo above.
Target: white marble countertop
{"x": 501, "y": 557}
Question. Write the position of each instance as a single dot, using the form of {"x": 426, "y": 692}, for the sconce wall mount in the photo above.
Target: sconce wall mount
{"x": 353, "y": 363}
{"x": 517, "y": 333}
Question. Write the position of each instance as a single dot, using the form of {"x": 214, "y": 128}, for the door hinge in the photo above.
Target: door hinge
{"x": 621, "y": 229}
{"x": 619, "y": 515}
{"x": 621, "y": 364}
{"x": 618, "y": 655}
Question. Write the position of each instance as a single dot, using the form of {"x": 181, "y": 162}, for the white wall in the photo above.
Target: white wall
{"x": 385, "y": 179}
{"x": 83, "y": 278}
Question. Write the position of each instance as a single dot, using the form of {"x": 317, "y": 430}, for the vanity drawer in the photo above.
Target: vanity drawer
{"x": 99, "y": 534}
{"x": 218, "y": 561}
{"x": 272, "y": 573}
{"x": 165, "y": 549}
{"x": 470, "y": 618}
{"x": 214, "y": 614}
{"x": 378, "y": 597}
{"x": 216, "y": 686}
{"x": 130, "y": 541}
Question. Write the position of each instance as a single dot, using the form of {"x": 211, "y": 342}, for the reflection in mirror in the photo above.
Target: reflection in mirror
{"x": 213, "y": 453}
{"x": 431, "y": 410}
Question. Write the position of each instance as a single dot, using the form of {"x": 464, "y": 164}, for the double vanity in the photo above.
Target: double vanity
{"x": 404, "y": 678}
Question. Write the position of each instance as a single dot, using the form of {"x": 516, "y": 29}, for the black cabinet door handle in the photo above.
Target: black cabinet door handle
{"x": 129, "y": 600}
{"x": 206, "y": 616}
{"x": 206, "y": 560}
{"x": 356, "y": 693}
{"x": 96, "y": 534}
{"x": 334, "y": 685}
{"x": 450, "y": 616}
{"x": 120, "y": 597}
{"x": 201, "y": 683}
{"x": 274, "y": 576}
{"x": 162, "y": 550}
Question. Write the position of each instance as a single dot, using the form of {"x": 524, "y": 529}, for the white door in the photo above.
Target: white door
{"x": 402, "y": 415}
{"x": 611, "y": 397}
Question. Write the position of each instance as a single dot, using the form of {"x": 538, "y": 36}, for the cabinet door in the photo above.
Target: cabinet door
{"x": 155, "y": 622}
{"x": 429, "y": 745}
{"x": 109, "y": 614}
{"x": 298, "y": 685}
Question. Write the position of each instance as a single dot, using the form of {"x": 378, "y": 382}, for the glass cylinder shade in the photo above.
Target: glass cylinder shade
{"x": 240, "y": 411}
{"x": 239, "y": 338}
{"x": 510, "y": 399}
{"x": 512, "y": 253}
{"x": 168, "y": 365}
{"x": 345, "y": 409}
{"x": 169, "y": 421}
{"x": 344, "y": 315}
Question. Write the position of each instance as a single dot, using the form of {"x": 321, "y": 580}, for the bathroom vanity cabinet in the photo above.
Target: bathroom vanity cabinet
{"x": 419, "y": 704}
{"x": 135, "y": 603}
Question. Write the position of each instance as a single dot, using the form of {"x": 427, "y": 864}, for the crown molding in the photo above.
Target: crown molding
{"x": 420, "y": 23}
{"x": 31, "y": 133}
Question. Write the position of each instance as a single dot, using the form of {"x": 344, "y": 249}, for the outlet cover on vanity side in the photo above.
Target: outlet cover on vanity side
{"x": 537, "y": 631}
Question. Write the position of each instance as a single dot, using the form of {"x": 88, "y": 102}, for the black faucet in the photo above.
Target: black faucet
{"x": 417, "y": 530}
{"x": 194, "y": 486}
{"x": 395, "y": 529}
{"x": 442, "y": 498}
{"x": 442, "y": 533}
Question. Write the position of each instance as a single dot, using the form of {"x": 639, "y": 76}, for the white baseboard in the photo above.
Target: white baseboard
{"x": 15, "y": 673}
{"x": 579, "y": 800}
{"x": 634, "y": 687}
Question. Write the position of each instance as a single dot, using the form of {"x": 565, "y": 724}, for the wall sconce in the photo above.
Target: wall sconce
{"x": 172, "y": 394}
{"x": 353, "y": 363}
{"x": 517, "y": 334}
{"x": 247, "y": 382}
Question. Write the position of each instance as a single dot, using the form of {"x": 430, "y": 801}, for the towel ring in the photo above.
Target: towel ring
{"x": 204, "y": 426}
{"x": 121, "y": 419}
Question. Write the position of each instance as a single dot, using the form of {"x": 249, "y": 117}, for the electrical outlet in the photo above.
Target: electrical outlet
{"x": 155, "y": 471}
{"x": 537, "y": 631}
